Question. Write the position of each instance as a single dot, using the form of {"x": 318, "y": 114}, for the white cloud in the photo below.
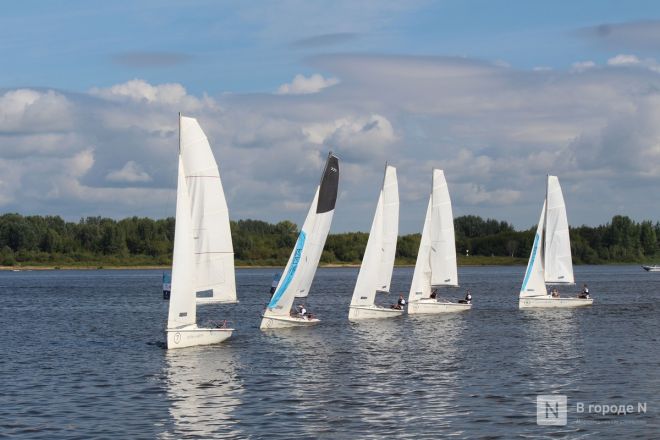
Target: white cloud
{"x": 140, "y": 91}
{"x": 581, "y": 66}
{"x": 623, "y": 60}
{"x": 131, "y": 172}
{"x": 27, "y": 110}
{"x": 496, "y": 131}
{"x": 302, "y": 85}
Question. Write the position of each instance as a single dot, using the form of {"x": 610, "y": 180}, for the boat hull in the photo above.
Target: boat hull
{"x": 651, "y": 268}
{"x": 431, "y": 306}
{"x": 274, "y": 322}
{"x": 553, "y": 303}
{"x": 357, "y": 313}
{"x": 192, "y": 336}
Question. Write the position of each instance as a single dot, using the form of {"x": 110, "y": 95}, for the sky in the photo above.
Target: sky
{"x": 498, "y": 94}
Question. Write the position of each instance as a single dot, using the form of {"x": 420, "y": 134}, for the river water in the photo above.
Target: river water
{"x": 83, "y": 357}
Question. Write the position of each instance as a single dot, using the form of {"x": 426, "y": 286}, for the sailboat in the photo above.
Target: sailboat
{"x": 299, "y": 271}
{"x": 378, "y": 261}
{"x": 550, "y": 261}
{"x": 202, "y": 259}
{"x": 436, "y": 260}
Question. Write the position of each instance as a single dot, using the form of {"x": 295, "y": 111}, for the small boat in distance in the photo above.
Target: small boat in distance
{"x": 654, "y": 268}
{"x": 550, "y": 260}
{"x": 436, "y": 260}
{"x": 378, "y": 261}
{"x": 299, "y": 271}
{"x": 190, "y": 270}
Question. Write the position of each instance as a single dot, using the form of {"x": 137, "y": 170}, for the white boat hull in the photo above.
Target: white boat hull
{"x": 192, "y": 336}
{"x": 651, "y": 268}
{"x": 548, "y": 302}
{"x": 273, "y": 322}
{"x": 431, "y": 306}
{"x": 356, "y": 313}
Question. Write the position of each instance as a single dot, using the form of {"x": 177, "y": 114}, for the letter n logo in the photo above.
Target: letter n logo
{"x": 551, "y": 410}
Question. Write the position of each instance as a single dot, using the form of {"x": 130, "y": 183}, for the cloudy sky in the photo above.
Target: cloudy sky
{"x": 498, "y": 94}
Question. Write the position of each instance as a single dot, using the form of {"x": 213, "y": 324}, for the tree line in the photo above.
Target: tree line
{"x": 50, "y": 240}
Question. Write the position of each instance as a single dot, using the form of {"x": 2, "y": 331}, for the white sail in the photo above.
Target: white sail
{"x": 390, "y": 228}
{"x": 558, "y": 263}
{"x": 378, "y": 262}
{"x": 443, "y": 246}
{"x": 183, "y": 308}
{"x": 214, "y": 252}
{"x": 420, "y": 288}
{"x": 299, "y": 272}
{"x": 533, "y": 283}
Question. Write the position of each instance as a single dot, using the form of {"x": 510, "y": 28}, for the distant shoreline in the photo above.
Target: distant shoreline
{"x": 33, "y": 267}
{"x": 109, "y": 267}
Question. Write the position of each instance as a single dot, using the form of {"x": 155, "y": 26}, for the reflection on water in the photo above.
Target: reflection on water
{"x": 82, "y": 359}
{"x": 552, "y": 345}
{"x": 202, "y": 390}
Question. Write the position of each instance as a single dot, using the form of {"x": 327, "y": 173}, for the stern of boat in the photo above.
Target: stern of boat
{"x": 357, "y": 313}
{"x": 192, "y": 336}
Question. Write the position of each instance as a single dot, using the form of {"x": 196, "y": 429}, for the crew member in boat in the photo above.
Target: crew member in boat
{"x": 554, "y": 292}
{"x": 434, "y": 294}
{"x": 585, "y": 292}
{"x": 400, "y": 304}
{"x": 302, "y": 311}
{"x": 468, "y": 298}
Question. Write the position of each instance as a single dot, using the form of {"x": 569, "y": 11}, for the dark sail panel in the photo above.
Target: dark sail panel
{"x": 329, "y": 185}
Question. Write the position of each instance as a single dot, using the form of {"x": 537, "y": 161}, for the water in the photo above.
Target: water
{"x": 82, "y": 357}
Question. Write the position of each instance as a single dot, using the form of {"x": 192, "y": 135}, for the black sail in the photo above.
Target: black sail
{"x": 329, "y": 185}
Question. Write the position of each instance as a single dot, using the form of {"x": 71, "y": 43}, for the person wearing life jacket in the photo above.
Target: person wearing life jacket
{"x": 400, "y": 304}
{"x": 302, "y": 311}
{"x": 585, "y": 292}
{"x": 468, "y": 298}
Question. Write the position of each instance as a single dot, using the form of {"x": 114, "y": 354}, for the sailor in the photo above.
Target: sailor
{"x": 302, "y": 311}
{"x": 468, "y": 298}
{"x": 585, "y": 292}
{"x": 400, "y": 304}
{"x": 434, "y": 293}
{"x": 554, "y": 292}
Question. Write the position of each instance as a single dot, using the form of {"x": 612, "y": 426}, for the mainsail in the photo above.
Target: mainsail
{"x": 213, "y": 250}
{"x": 443, "y": 244}
{"x": 378, "y": 262}
{"x": 299, "y": 272}
{"x": 558, "y": 260}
